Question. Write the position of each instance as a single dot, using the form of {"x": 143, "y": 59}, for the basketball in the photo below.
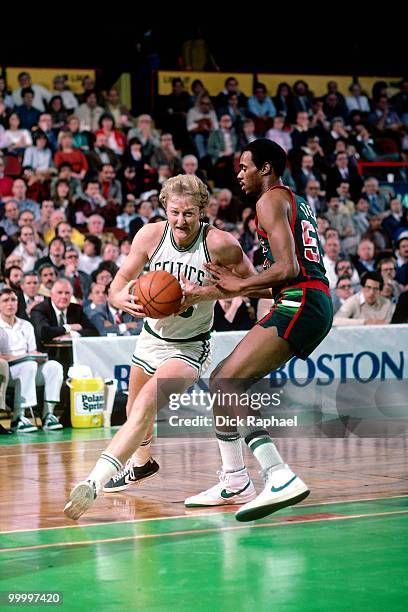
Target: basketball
{"x": 159, "y": 292}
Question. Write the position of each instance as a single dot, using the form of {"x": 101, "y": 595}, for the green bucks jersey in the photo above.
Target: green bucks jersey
{"x": 309, "y": 251}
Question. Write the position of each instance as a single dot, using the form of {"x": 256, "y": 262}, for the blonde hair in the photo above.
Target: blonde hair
{"x": 187, "y": 185}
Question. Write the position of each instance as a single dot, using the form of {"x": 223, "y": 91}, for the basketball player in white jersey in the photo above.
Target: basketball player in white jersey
{"x": 176, "y": 347}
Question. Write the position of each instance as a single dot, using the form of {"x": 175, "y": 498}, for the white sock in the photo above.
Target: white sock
{"x": 48, "y": 408}
{"x": 142, "y": 455}
{"x": 106, "y": 467}
{"x": 265, "y": 451}
{"x": 231, "y": 451}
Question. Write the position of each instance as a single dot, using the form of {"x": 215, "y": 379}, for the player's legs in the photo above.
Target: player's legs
{"x": 258, "y": 353}
{"x": 178, "y": 375}
{"x": 140, "y": 466}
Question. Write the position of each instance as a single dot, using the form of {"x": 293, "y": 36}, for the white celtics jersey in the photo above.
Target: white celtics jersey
{"x": 197, "y": 319}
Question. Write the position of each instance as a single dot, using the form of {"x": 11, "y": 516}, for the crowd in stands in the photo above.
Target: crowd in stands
{"x": 79, "y": 176}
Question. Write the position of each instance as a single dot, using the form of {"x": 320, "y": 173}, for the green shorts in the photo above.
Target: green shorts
{"x": 303, "y": 316}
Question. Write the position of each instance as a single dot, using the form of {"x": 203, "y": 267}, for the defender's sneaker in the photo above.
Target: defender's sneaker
{"x": 233, "y": 488}
{"x": 282, "y": 488}
{"x": 132, "y": 475}
{"x": 81, "y": 499}
{"x": 51, "y": 423}
{"x": 23, "y": 425}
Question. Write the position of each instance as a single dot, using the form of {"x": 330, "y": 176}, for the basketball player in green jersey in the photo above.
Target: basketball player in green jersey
{"x": 298, "y": 321}
{"x": 175, "y": 348}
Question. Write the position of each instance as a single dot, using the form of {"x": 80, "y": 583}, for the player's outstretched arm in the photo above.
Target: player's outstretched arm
{"x": 272, "y": 212}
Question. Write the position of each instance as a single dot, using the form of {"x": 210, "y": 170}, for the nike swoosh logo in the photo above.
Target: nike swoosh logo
{"x": 227, "y": 495}
{"x": 276, "y": 489}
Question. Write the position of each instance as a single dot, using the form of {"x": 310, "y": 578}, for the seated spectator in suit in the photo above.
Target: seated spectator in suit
{"x": 402, "y": 259}
{"x": 222, "y": 148}
{"x": 305, "y": 173}
{"x": 237, "y": 113}
{"x": 17, "y": 339}
{"x": 364, "y": 260}
{"x": 231, "y": 89}
{"x": 314, "y": 197}
{"x": 55, "y": 257}
{"x": 48, "y": 276}
{"x": 106, "y": 318}
{"x": 344, "y": 290}
{"x": 388, "y": 270}
{"x": 378, "y": 201}
{"x": 101, "y": 154}
{"x": 57, "y": 316}
{"x": 367, "y": 307}
{"x": 344, "y": 170}
{"x": 144, "y": 212}
{"x": 28, "y": 295}
{"x": 391, "y": 223}
{"x": 79, "y": 280}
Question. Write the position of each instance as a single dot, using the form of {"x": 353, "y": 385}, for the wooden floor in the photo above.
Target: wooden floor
{"x": 36, "y": 477}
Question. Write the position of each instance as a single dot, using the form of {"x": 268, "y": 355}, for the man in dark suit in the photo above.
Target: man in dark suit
{"x": 56, "y": 317}
{"x": 342, "y": 171}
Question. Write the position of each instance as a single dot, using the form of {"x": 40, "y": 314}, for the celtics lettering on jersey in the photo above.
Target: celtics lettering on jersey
{"x": 189, "y": 262}
{"x": 309, "y": 251}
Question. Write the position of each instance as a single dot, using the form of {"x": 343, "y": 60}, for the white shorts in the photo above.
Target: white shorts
{"x": 152, "y": 352}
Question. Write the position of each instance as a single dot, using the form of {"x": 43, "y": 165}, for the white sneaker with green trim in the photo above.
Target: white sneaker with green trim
{"x": 233, "y": 488}
{"x": 282, "y": 488}
{"x": 81, "y": 499}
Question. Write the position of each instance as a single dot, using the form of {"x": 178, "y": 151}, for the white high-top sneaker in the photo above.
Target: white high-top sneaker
{"x": 282, "y": 488}
{"x": 233, "y": 488}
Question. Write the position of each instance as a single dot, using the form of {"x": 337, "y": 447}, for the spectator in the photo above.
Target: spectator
{"x": 115, "y": 140}
{"x": 248, "y": 133}
{"x": 16, "y": 138}
{"x": 56, "y": 217}
{"x": 41, "y": 95}
{"x": 222, "y": 146}
{"x": 345, "y": 267}
{"x": 48, "y": 276}
{"x": 55, "y": 257}
{"x": 28, "y": 114}
{"x": 283, "y": 102}
{"x": 67, "y": 153}
{"x": 45, "y": 126}
{"x": 367, "y": 307}
{"x": 28, "y": 297}
{"x": 278, "y": 134}
{"x": 346, "y": 203}
{"x": 332, "y": 252}
{"x": 119, "y": 111}
{"x": 391, "y": 222}
{"x": 166, "y": 154}
{"x": 364, "y": 260}
{"x": 237, "y": 113}
{"x": 375, "y": 234}
{"x": 65, "y": 173}
{"x": 27, "y": 248}
{"x": 341, "y": 220}
{"x": 388, "y": 270}
{"x": 357, "y": 100}
{"x": 58, "y": 112}
{"x": 230, "y": 88}
{"x": 128, "y": 214}
{"x": 9, "y": 221}
{"x": 201, "y": 121}
{"x": 234, "y": 314}
{"x": 90, "y": 259}
{"x": 378, "y": 202}
{"x": 13, "y": 275}
{"x": 17, "y": 339}
{"x": 79, "y": 138}
{"x": 344, "y": 290}
{"x": 402, "y": 260}
{"x": 89, "y": 112}
{"x": 60, "y": 88}
{"x": 39, "y": 156}
{"x": 344, "y": 171}
{"x": 79, "y": 280}
{"x": 302, "y": 97}
{"x": 6, "y": 182}
{"x": 148, "y": 136}
{"x": 70, "y": 235}
{"x": 261, "y": 108}
{"x": 19, "y": 190}
{"x": 314, "y": 198}
{"x": 106, "y": 318}
{"x": 176, "y": 106}
{"x": 306, "y": 173}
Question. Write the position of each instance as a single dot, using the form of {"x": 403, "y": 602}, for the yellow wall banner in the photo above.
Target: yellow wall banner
{"x": 318, "y": 83}
{"x": 45, "y": 76}
{"x": 212, "y": 81}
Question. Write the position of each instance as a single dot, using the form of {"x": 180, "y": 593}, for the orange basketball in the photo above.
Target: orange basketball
{"x": 159, "y": 292}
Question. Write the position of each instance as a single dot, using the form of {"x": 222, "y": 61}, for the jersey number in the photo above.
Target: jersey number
{"x": 310, "y": 242}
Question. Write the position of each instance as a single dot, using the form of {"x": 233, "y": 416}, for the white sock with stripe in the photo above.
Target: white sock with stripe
{"x": 106, "y": 467}
{"x": 264, "y": 450}
{"x": 231, "y": 451}
{"x": 142, "y": 455}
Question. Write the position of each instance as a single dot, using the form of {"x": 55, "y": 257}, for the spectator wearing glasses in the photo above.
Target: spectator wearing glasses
{"x": 344, "y": 290}
{"x": 344, "y": 266}
{"x": 367, "y": 307}
{"x": 388, "y": 270}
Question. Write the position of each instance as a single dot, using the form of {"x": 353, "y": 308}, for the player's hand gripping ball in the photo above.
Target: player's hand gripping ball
{"x": 159, "y": 292}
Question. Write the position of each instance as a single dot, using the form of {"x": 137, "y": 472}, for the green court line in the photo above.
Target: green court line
{"x": 327, "y": 565}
